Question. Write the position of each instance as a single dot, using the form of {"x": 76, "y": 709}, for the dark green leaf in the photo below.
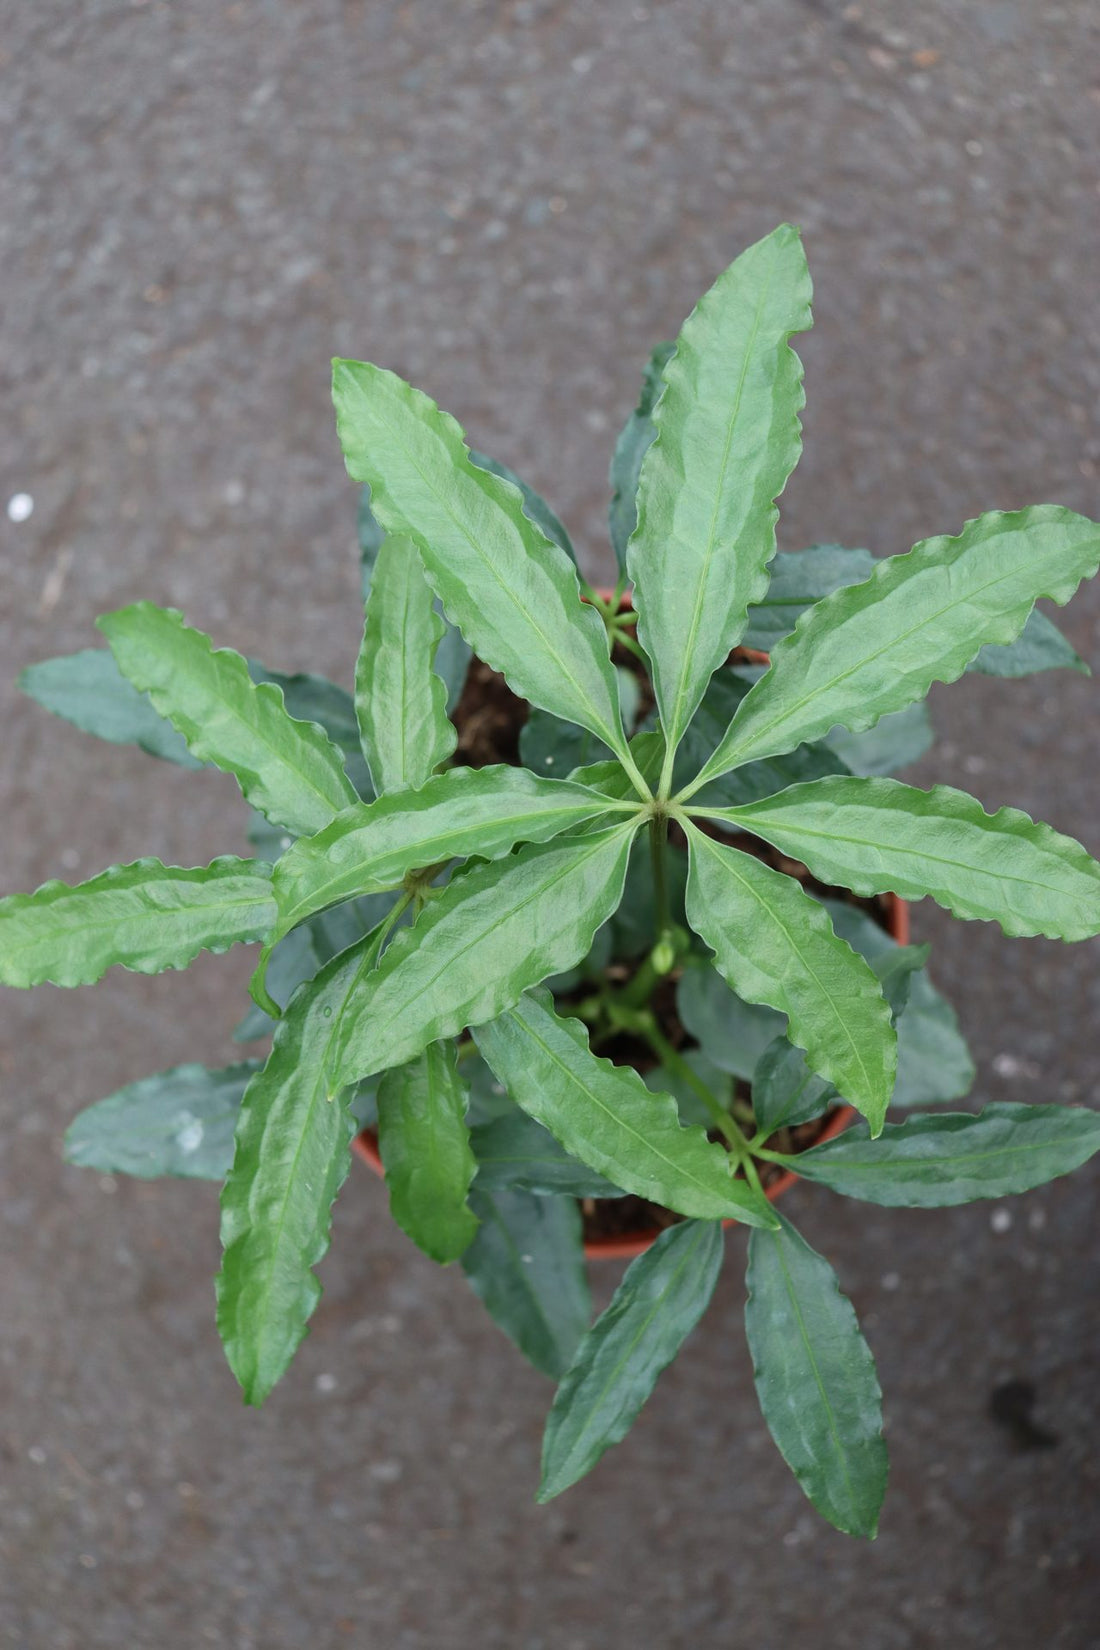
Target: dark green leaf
{"x": 371, "y": 538}
{"x": 146, "y": 917}
{"x": 725, "y": 691}
{"x": 527, "y": 1264}
{"x": 897, "y": 740}
{"x": 290, "y": 770}
{"x": 785, "y": 1092}
{"x": 605, "y": 1115}
{"x": 728, "y": 437}
{"x": 535, "y": 507}
{"x": 311, "y": 698}
{"x": 732, "y": 1032}
{"x": 479, "y": 945}
{"x": 549, "y": 746}
{"x": 294, "y": 960}
{"x": 515, "y": 1153}
{"x": 660, "y": 1300}
{"x": 88, "y": 690}
{"x": 1039, "y": 646}
{"x": 692, "y": 1109}
{"x": 178, "y": 1122}
{"x": 816, "y": 1381}
{"x": 634, "y": 442}
{"x": 935, "y": 1162}
{"x": 798, "y": 579}
{"x": 425, "y": 1148}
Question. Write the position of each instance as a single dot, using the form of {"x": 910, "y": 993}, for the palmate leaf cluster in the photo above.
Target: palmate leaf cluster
{"x": 436, "y": 939}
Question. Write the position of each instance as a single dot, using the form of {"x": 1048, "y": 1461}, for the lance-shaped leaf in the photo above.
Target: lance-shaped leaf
{"x": 535, "y": 507}
{"x": 425, "y": 1147}
{"x": 728, "y": 437}
{"x": 733, "y": 1033}
{"x": 816, "y": 1380}
{"x": 526, "y": 1263}
{"x": 660, "y": 1300}
{"x": 480, "y": 943}
{"x": 369, "y": 848}
{"x": 177, "y": 1122}
{"x": 1039, "y": 646}
{"x": 513, "y": 594}
{"x": 88, "y": 690}
{"x": 146, "y": 917}
{"x": 293, "y": 1151}
{"x": 954, "y": 1157}
{"x": 605, "y": 1115}
{"x": 798, "y": 579}
{"x": 289, "y": 770}
{"x": 876, "y": 836}
{"x": 400, "y": 702}
{"x": 785, "y": 1092}
{"x": 920, "y": 618}
{"x": 775, "y": 945}
{"x": 634, "y": 442}
{"x": 514, "y": 1153}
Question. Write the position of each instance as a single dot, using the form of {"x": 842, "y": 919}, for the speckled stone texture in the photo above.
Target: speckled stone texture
{"x": 509, "y": 202}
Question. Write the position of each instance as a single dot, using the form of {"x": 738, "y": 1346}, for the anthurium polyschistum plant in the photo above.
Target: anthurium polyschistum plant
{"x": 683, "y": 858}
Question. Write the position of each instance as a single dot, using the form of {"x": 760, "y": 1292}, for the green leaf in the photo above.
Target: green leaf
{"x": 514, "y": 1153}
{"x": 146, "y": 917}
{"x": 371, "y": 539}
{"x": 549, "y": 746}
{"x": 294, "y": 960}
{"x": 535, "y": 507}
{"x": 605, "y": 1115}
{"x": 935, "y": 1162}
{"x": 178, "y": 1122}
{"x": 464, "y": 811}
{"x": 526, "y": 1263}
{"x": 920, "y": 618}
{"x": 934, "y": 1063}
{"x": 798, "y": 579}
{"x": 293, "y": 1151}
{"x": 689, "y": 1104}
{"x": 1039, "y": 646}
{"x": 310, "y": 698}
{"x": 634, "y": 442}
{"x": 776, "y": 945}
{"x": 660, "y": 1300}
{"x": 896, "y": 741}
{"x": 876, "y": 835}
{"x": 816, "y": 1381}
{"x": 512, "y": 593}
{"x": 728, "y": 437}
{"x": 725, "y": 691}
{"x": 399, "y": 700}
{"x": 785, "y": 1092}
{"x": 480, "y": 943}
{"x": 732, "y": 1032}
{"x": 289, "y": 770}
{"x": 88, "y": 690}
{"x": 425, "y": 1148}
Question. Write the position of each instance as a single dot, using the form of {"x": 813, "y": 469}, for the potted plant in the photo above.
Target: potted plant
{"x": 438, "y": 888}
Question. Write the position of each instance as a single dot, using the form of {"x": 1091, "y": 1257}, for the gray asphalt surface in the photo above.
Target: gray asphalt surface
{"x": 509, "y": 203}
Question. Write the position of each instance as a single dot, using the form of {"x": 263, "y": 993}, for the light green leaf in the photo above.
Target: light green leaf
{"x": 728, "y": 437}
{"x": 896, "y": 741}
{"x": 526, "y": 1263}
{"x": 514, "y": 1153}
{"x": 290, "y": 770}
{"x": 535, "y": 507}
{"x": 934, "y": 1063}
{"x": 178, "y": 1122}
{"x": 615, "y": 1368}
{"x": 88, "y": 690}
{"x": 634, "y": 442}
{"x": 733, "y": 1033}
{"x": 400, "y": 702}
{"x": 605, "y": 1115}
{"x": 876, "y": 835}
{"x": 798, "y": 579}
{"x": 481, "y": 942}
{"x": 1039, "y": 646}
{"x": 935, "y": 1162}
{"x": 464, "y": 811}
{"x": 513, "y": 594}
{"x": 816, "y": 1381}
{"x": 920, "y": 618}
{"x": 293, "y": 1151}
{"x": 425, "y": 1148}
{"x": 776, "y": 945}
{"x": 146, "y": 917}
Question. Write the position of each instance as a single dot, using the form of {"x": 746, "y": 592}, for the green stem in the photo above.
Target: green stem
{"x": 658, "y": 837}
{"x": 675, "y": 1062}
{"x": 625, "y": 639}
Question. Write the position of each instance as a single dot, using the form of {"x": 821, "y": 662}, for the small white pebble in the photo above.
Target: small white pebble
{"x": 234, "y": 492}
{"x": 36, "y": 1454}
{"x": 890, "y": 1280}
{"x": 70, "y": 858}
{"x": 973, "y": 147}
{"x": 20, "y": 507}
{"x": 325, "y": 1383}
{"x": 87, "y": 1561}
{"x": 108, "y": 1184}
{"x": 386, "y": 1472}
{"x": 1000, "y": 1220}
{"x": 135, "y": 1500}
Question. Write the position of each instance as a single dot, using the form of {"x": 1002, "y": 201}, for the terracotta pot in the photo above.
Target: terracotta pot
{"x": 365, "y": 1144}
